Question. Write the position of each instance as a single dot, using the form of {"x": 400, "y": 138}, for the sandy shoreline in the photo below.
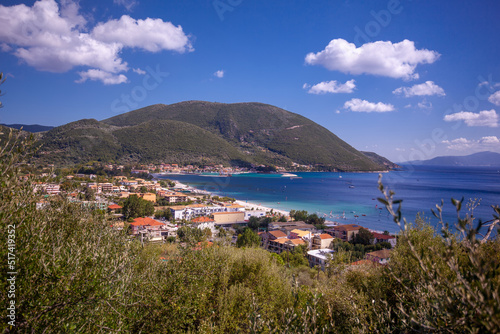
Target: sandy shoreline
{"x": 251, "y": 205}
{"x": 247, "y": 205}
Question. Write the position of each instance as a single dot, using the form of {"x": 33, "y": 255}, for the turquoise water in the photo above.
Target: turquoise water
{"x": 336, "y": 196}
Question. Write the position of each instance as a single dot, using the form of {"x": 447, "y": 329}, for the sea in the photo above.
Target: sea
{"x": 352, "y": 198}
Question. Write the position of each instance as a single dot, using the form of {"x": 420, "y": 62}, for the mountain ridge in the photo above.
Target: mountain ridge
{"x": 248, "y": 133}
{"x": 484, "y": 158}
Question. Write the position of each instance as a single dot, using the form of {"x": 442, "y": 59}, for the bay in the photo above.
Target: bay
{"x": 352, "y": 197}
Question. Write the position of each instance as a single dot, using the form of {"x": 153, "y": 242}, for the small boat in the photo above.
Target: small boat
{"x": 351, "y": 186}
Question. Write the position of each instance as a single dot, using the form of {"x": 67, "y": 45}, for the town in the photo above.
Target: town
{"x": 163, "y": 211}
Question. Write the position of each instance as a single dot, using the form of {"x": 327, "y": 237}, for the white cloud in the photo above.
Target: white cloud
{"x": 461, "y": 144}
{"x": 55, "y": 39}
{"x": 458, "y": 144}
{"x": 106, "y": 77}
{"x": 139, "y": 71}
{"x": 219, "y": 74}
{"x": 483, "y": 118}
{"x": 331, "y": 87}
{"x": 365, "y": 106}
{"x": 128, "y": 4}
{"x": 426, "y": 88}
{"x": 397, "y": 60}
{"x": 150, "y": 34}
{"x": 490, "y": 140}
{"x": 495, "y": 98}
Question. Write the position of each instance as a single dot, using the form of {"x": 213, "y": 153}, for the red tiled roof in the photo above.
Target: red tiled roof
{"x": 145, "y": 222}
{"x": 202, "y": 219}
{"x": 114, "y": 207}
{"x": 277, "y": 234}
{"x": 325, "y": 236}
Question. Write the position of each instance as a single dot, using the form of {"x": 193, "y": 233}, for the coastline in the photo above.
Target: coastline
{"x": 247, "y": 205}
{"x": 259, "y": 207}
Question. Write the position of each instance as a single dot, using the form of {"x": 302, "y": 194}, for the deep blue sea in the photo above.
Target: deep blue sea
{"x": 335, "y": 196}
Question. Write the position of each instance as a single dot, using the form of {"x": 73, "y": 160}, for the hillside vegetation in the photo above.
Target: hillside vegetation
{"x": 76, "y": 274}
{"x": 205, "y": 132}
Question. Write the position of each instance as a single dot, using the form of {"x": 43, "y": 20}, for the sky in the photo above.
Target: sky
{"x": 407, "y": 79}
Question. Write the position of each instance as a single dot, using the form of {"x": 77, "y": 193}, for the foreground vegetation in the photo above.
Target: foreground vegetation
{"x": 76, "y": 274}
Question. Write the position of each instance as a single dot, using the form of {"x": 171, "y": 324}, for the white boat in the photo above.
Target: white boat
{"x": 289, "y": 175}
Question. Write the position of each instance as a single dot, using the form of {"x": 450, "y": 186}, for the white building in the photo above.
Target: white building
{"x": 319, "y": 257}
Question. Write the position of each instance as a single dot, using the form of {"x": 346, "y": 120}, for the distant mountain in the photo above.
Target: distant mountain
{"x": 380, "y": 160}
{"x": 30, "y": 128}
{"x": 472, "y": 160}
{"x": 205, "y": 132}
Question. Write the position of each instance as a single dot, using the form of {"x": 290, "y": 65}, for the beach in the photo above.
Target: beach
{"x": 247, "y": 205}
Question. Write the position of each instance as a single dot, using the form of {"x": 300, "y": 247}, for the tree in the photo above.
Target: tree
{"x": 363, "y": 237}
{"x": 190, "y": 235}
{"x": 299, "y": 215}
{"x": 135, "y": 206}
{"x": 248, "y": 239}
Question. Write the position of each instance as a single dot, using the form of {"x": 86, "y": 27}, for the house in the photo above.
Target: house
{"x": 204, "y": 222}
{"x": 380, "y": 256}
{"x": 254, "y": 213}
{"x": 277, "y": 234}
{"x": 194, "y": 210}
{"x": 273, "y": 240}
{"x": 175, "y": 197}
{"x": 146, "y": 224}
{"x": 106, "y": 187}
{"x": 321, "y": 241}
{"x": 379, "y": 237}
{"x": 148, "y": 197}
{"x": 344, "y": 232}
{"x": 287, "y": 227}
{"x": 319, "y": 257}
{"x": 299, "y": 234}
{"x": 290, "y": 244}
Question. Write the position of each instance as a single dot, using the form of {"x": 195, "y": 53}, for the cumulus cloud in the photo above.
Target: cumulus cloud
{"x": 150, "y": 34}
{"x": 495, "y": 98}
{"x": 106, "y": 77}
{"x": 461, "y": 144}
{"x": 219, "y": 74}
{"x": 483, "y": 118}
{"x": 426, "y": 88}
{"x": 57, "y": 39}
{"x": 331, "y": 87}
{"x": 359, "y": 105}
{"x": 395, "y": 60}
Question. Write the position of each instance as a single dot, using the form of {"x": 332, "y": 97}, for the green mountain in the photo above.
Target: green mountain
{"x": 380, "y": 160}
{"x": 205, "y": 132}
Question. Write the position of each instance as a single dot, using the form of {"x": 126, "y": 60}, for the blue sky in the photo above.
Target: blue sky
{"x": 406, "y": 79}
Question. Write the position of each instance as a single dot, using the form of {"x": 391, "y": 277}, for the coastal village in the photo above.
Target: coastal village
{"x": 174, "y": 207}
